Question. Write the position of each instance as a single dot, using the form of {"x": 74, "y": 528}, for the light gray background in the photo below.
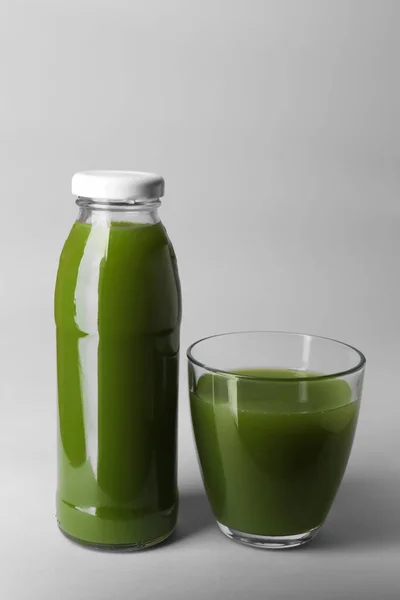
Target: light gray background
{"x": 276, "y": 126}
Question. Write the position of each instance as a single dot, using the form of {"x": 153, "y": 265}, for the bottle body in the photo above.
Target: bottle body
{"x": 118, "y": 312}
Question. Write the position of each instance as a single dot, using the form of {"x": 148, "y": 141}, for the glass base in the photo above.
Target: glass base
{"x": 269, "y": 542}
{"x": 134, "y": 547}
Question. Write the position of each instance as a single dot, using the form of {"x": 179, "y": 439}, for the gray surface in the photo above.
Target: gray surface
{"x": 276, "y": 126}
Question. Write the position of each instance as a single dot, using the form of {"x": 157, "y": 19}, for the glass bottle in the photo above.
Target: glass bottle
{"x": 117, "y": 314}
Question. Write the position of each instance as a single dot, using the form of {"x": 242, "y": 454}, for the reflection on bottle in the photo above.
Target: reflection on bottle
{"x": 86, "y": 317}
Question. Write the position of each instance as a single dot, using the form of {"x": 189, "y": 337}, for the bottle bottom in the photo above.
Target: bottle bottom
{"x": 132, "y": 547}
{"x": 126, "y": 531}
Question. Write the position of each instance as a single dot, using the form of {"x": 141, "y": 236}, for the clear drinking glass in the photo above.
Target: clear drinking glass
{"x": 274, "y": 416}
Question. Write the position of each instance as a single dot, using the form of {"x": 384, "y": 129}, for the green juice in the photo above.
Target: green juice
{"x": 272, "y": 449}
{"x": 118, "y": 312}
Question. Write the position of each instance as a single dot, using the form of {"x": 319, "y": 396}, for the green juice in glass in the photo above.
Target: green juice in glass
{"x": 272, "y": 449}
{"x": 118, "y": 312}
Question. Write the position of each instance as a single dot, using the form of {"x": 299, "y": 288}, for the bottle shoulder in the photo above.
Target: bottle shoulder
{"x": 109, "y": 269}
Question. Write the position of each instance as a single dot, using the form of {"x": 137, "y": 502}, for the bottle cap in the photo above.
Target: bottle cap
{"x": 117, "y": 186}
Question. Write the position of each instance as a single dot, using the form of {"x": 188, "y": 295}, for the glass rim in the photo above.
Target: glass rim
{"x": 334, "y": 375}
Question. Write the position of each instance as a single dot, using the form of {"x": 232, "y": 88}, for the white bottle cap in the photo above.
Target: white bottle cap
{"x": 117, "y": 186}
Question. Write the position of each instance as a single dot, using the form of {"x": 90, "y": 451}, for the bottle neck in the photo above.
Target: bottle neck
{"x": 94, "y": 212}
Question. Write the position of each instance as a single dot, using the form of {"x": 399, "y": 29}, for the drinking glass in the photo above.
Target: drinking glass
{"x": 274, "y": 416}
